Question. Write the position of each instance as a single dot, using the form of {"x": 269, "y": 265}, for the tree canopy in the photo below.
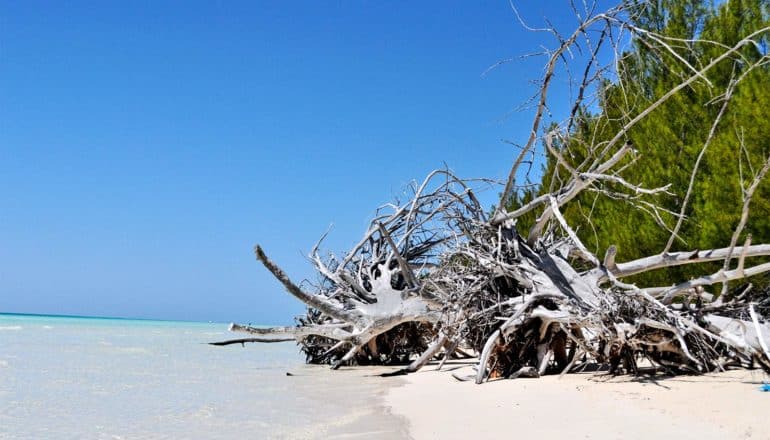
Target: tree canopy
{"x": 671, "y": 138}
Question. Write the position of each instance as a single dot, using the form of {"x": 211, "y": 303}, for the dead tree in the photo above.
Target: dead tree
{"x": 436, "y": 274}
{"x": 373, "y": 304}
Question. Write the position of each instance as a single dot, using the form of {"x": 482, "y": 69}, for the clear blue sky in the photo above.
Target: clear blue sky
{"x": 145, "y": 147}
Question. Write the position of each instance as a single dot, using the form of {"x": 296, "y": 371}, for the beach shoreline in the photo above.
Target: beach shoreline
{"x": 583, "y": 406}
{"x": 370, "y": 418}
{"x": 134, "y": 379}
{"x": 69, "y": 377}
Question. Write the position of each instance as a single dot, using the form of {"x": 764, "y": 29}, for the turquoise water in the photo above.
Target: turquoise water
{"x": 94, "y": 320}
{"x": 103, "y": 378}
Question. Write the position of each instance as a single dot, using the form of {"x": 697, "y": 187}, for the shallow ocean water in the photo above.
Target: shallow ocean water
{"x": 64, "y": 377}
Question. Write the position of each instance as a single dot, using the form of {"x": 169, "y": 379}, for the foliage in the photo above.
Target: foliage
{"x": 669, "y": 140}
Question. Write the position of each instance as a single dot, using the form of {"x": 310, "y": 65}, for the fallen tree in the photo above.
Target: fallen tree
{"x": 439, "y": 275}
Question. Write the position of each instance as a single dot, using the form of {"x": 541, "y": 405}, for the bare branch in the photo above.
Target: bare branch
{"x": 744, "y": 216}
{"x": 312, "y": 300}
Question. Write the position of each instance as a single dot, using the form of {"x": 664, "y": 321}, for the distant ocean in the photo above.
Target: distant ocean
{"x": 99, "y": 378}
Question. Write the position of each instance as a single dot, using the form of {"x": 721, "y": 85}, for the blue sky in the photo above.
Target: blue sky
{"x": 145, "y": 147}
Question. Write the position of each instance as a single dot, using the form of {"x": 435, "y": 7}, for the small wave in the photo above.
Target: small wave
{"x": 11, "y": 327}
{"x": 47, "y": 327}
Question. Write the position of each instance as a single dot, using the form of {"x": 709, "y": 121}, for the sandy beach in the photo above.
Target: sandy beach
{"x": 584, "y": 406}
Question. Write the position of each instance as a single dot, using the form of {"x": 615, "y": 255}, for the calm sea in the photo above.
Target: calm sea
{"x": 95, "y": 378}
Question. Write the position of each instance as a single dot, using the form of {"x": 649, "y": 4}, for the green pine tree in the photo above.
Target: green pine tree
{"x": 670, "y": 139}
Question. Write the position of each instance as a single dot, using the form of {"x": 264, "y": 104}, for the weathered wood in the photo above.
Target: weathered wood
{"x": 243, "y": 341}
{"x": 434, "y": 273}
{"x": 315, "y": 301}
{"x": 672, "y": 259}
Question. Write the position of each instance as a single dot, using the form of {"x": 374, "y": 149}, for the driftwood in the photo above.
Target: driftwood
{"x": 438, "y": 274}
{"x": 243, "y": 341}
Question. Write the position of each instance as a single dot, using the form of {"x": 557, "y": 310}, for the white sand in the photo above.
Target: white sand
{"x": 584, "y": 406}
